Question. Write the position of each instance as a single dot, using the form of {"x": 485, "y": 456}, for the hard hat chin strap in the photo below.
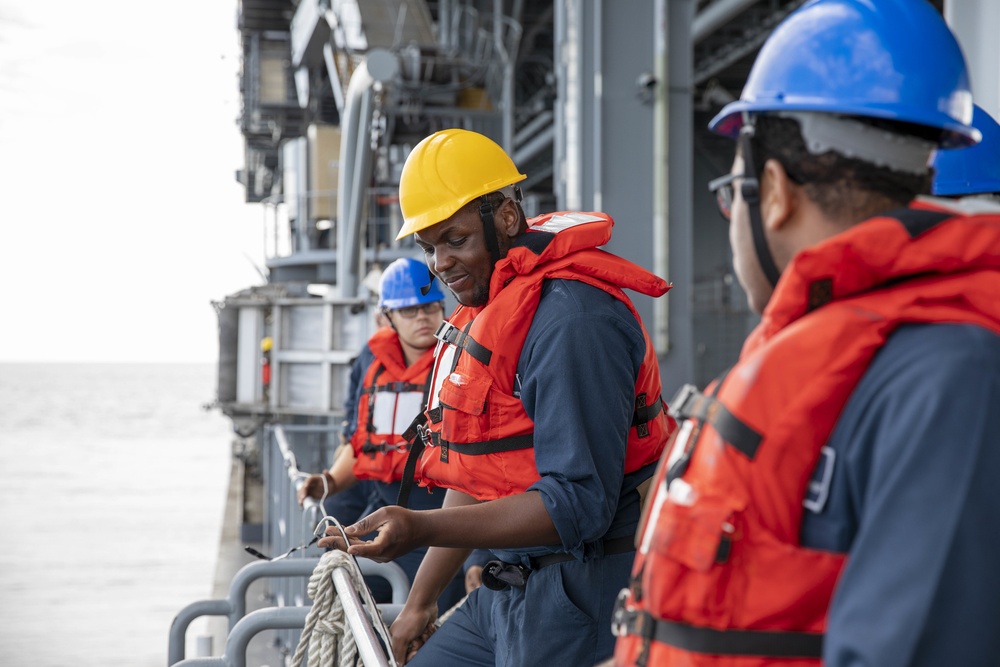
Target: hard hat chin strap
{"x": 430, "y": 281}
{"x": 750, "y": 189}
{"x": 489, "y": 228}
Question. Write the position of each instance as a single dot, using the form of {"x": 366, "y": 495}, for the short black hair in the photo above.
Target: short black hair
{"x": 840, "y": 186}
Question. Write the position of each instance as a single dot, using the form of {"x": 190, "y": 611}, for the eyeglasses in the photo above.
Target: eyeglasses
{"x": 410, "y": 312}
{"x": 723, "y": 189}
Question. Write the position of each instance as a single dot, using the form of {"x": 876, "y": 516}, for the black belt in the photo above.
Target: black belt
{"x": 699, "y": 639}
{"x": 499, "y": 575}
{"x": 618, "y": 545}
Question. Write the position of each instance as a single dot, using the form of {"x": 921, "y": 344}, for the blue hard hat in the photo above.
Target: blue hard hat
{"x": 402, "y": 284}
{"x": 970, "y": 171}
{"x": 890, "y": 59}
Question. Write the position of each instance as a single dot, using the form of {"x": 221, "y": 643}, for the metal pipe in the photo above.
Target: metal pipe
{"x": 716, "y": 14}
{"x": 234, "y": 606}
{"x": 178, "y": 629}
{"x": 507, "y": 89}
{"x": 444, "y": 25}
{"x": 598, "y": 106}
{"x": 352, "y": 159}
{"x": 202, "y": 662}
{"x": 974, "y": 23}
{"x": 271, "y": 618}
{"x": 380, "y": 66}
{"x": 661, "y": 174}
{"x": 533, "y": 126}
{"x": 288, "y": 567}
{"x": 361, "y": 627}
{"x": 534, "y": 147}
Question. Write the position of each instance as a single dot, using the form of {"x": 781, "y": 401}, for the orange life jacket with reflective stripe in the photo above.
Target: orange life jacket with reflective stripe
{"x": 393, "y": 394}
{"x": 720, "y": 577}
{"x": 479, "y": 437}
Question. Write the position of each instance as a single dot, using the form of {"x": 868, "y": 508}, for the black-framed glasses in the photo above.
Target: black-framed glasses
{"x": 723, "y": 189}
{"x": 409, "y": 312}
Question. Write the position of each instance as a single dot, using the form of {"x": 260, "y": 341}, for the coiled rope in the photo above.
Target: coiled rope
{"x": 326, "y": 635}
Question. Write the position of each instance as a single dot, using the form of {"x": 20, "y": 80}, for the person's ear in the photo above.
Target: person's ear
{"x": 777, "y": 196}
{"x": 507, "y": 219}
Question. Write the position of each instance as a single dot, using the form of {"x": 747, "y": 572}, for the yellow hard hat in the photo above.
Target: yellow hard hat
{"x": 446, "y": 171}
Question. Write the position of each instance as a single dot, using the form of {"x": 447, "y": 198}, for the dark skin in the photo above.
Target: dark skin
{"x": 457, "y": 254}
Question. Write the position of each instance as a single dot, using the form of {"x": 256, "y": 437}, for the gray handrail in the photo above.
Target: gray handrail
{"x": 270, "y": 618}
{"x": 234, "y": 606}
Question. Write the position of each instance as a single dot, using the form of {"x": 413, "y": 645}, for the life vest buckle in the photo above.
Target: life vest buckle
{"x": 682, "y": 404}
{"x": 445, "y": 331}
{"x": 619, "y": 617}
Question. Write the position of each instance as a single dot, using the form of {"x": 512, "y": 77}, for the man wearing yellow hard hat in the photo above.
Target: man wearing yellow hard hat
{"x": 544, "y": 419}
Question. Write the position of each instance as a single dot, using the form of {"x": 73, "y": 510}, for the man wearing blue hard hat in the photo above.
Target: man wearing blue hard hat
{"x": 975, "y": 171}
{"x": 393, "y": 392}
{"x": 832, "y": 498}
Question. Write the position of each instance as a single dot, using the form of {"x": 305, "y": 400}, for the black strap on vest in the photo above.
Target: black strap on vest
{"x": 643, "y": 414}
{"x": 413, "y": 435}
{"x": 463, "y": 341}
{"x": 917, "y": 221}
{"x": 510, "y": 444}
{"x": 763, "y": 643}
{"x": 370, "y": 428}
{"x": 689, "y": 402}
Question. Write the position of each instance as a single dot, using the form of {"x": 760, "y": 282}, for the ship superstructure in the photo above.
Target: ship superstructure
{"x": 604, "y": 105}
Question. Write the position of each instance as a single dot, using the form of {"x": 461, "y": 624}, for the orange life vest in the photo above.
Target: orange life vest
{"x": 720, "y": 577}
{"x": 393, "y": 394}
{"x": 479, "y": 437}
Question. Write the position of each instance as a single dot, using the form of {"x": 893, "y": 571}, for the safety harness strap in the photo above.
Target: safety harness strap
{"x": 510, "y": 444}
{"x": 461, "y": 339}
{"x": 644, "y": 414}
{"x": 689, "y": 402}
{"x": 398, "y": 387}
{"x": 763, "y": 643}
{"x": 917, "y": 221}
{"x": 371, "y": 407}
{"x": 413, "y": 434}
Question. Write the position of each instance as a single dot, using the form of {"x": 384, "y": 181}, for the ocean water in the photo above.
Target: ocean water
{"x": 112, "y": 493}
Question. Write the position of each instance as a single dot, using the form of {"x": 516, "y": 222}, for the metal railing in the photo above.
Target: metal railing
{"x": 288, "y": 528}
{"x": 234, "y": 606}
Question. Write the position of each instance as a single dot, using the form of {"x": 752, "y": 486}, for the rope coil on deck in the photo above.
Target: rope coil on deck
{"x": 326, "y": 635}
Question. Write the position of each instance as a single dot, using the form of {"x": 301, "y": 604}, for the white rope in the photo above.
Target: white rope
{"x": 326, "y": 635}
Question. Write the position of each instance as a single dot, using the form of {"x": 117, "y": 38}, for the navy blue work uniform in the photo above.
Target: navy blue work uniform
{"x": 577, "y": 373}
{"x": 914, "y": 499}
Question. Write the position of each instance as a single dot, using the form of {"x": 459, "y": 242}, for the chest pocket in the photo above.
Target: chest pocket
{"x": 465, "y": 394}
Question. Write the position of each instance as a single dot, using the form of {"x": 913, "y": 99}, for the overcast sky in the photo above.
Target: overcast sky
{"x": 121, "y": 216}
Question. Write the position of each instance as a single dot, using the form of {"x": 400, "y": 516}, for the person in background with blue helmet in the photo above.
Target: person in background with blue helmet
{"x": 393, "y": 392}
{"x": 972, "y": 171}
{"x": 832, "y": 498}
